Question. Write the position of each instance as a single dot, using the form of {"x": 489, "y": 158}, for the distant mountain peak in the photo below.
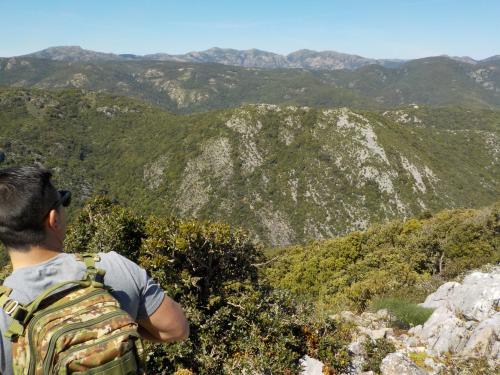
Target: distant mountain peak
{"x": 72, "y": 53}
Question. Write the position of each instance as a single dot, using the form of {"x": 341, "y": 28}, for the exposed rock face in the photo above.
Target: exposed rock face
{"x": 467, "y": 317}
{"x": 214, "y": 161}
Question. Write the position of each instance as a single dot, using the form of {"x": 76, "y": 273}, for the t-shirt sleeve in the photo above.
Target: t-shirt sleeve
{"x": 149, "y": 292}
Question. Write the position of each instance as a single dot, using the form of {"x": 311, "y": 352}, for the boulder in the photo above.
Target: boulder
{"x": 357, "y": 350}
{"x": 399, "y": 364}
{"x": 441, "y": 297}
{"x": 444, "y": 332}
{"x": 466, "y": 321}
{"x": 376, "y": 334}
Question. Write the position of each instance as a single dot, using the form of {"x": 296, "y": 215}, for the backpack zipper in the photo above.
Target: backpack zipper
{"x": 53, "y": 340}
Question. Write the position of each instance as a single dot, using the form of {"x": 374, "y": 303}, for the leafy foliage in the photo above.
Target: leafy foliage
{"x": 102, "y": 226}
{"x": 376, "y": 351}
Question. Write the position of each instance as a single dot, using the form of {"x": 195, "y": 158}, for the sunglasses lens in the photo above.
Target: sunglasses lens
{"x": 65, "y": 197}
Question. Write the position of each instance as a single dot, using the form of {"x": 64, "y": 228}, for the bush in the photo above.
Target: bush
{"x": 376, "y": 351}
{"x": 102, "y": 226}
{"x": 406, "y": 314}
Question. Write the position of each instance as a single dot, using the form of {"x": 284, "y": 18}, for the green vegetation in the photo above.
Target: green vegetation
{"x": 469, "y": 366}
{"x": 246, "y": 318}
{"x": 287, "y": 174}
{"x": 406, "y": 314}
{"x": 419, "y": 359}
{"x": 405, "y": 259}
{"x": 376, "y": 351}
{"x": 238, "y": 322}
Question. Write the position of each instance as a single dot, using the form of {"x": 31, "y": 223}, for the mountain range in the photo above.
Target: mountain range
{"x": 252, "y": 58}
{"x": 185, "y": 87}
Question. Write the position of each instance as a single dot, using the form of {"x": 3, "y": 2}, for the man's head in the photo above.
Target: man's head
{"x": 30, "y": 213}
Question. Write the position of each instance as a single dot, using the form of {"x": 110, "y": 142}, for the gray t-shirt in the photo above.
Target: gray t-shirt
{"x": 137, "y": 293}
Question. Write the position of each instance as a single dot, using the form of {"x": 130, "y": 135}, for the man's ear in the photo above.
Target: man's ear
{"x": 53, "y": 220}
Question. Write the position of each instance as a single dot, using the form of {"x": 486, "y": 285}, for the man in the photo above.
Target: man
{"x": 32, "y": 228}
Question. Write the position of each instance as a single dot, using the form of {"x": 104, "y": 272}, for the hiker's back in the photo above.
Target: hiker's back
{"x": 81, "y": 328}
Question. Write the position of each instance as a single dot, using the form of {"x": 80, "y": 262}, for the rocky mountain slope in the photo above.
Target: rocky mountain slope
{"x": 189, "y": 87}
{"x": 286, "y": 173}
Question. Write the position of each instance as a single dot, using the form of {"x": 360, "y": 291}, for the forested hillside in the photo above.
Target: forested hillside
{"x": 288, "y": 174}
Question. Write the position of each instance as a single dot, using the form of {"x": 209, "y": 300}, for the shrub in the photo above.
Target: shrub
{"x": 376, "y": 351}
{"x": 102, "y": 226}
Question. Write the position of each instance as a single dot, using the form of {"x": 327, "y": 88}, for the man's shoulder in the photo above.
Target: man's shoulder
{"x": 116, "y": 261}
{"x": 121, "y": 271}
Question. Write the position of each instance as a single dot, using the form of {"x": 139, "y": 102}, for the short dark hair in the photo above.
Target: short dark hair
{"x": 26, "y": 197}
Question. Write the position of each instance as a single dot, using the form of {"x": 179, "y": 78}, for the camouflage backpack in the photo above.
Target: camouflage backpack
{"x": 78, "y": 330}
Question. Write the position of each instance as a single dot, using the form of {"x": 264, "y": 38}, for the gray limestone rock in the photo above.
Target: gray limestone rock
{"x": 483, "y": 339}
{"x": 475, "y": 299}
{"x": 444, "y": 332}
{"x": 466, "y": 321}
{"x": 399, "y": 364}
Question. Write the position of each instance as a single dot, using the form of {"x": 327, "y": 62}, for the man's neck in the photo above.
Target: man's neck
{"x": 33, "y": 256}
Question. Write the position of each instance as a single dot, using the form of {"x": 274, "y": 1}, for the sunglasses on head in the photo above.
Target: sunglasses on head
{"x": 64, "y": 199}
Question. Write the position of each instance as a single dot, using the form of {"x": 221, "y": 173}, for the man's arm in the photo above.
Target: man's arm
{"x": 168, "y": 323}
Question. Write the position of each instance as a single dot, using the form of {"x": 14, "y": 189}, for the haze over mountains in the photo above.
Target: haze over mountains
{"x": 252, "y": 58}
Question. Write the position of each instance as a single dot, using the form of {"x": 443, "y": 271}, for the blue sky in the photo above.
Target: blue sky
{"x": 370, "y": 28}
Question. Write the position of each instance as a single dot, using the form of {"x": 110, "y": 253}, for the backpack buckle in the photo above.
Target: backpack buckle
{"x": 10, "y": 309}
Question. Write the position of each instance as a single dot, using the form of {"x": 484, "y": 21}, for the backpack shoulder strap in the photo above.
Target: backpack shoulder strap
{"x": 11, "y": 307}
{"x": 14, "y": 309}
{"x": 21, "y": 314}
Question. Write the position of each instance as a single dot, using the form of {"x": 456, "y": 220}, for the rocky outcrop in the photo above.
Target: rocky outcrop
{"x": 466, "y": 321}
{"x": 464, "y": 326}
